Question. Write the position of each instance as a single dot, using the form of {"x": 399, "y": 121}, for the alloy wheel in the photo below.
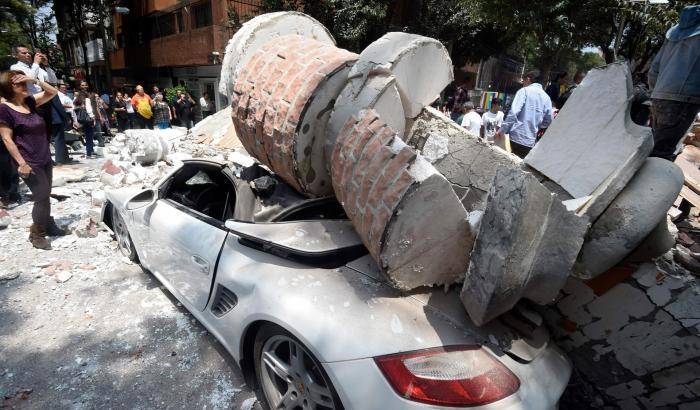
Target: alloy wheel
{"x": 122, "y": 234}
{"x": 291, "y": 378}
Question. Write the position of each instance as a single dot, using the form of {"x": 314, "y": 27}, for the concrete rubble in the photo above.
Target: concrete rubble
{"x": 339, "y": 128}
{"x": 593, "y": 148}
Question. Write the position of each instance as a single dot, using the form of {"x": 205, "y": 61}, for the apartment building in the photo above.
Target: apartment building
{"x": 170, "y": 42}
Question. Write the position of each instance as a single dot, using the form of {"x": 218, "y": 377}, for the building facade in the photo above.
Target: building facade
{"x": 175, "y": 42}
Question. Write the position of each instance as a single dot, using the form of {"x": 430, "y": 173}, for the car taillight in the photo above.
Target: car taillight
{"x": 458, "y": 376}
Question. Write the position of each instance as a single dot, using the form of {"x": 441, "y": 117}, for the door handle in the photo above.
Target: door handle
{"x": 201, "y": 263}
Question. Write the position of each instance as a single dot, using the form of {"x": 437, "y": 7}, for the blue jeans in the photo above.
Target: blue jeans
{"x": 162, "y": 125}
{"x": 89, "y": 133}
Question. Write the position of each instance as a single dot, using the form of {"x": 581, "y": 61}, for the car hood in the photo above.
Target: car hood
{"x": 519, "y": 333}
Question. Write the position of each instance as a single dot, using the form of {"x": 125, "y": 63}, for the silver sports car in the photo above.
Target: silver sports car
{"x": 286, "y": 285}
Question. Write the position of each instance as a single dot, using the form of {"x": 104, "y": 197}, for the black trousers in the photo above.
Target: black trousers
{"x": 122, "y": 124}
{"x": 9, "y": 178}
{"x": 39, "y": 182}
{"x": 143, "y": 122}
{"x": 519, "y": 150}
{"x": 670, "y": 121}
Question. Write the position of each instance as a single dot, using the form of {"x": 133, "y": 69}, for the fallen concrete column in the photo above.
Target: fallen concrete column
{"x": 403, "y": 209}
{"x": 421, "y": 65}
{"x": 469, "y": 163}
{"x": 526, "y": 246}
{"x": 281, "y": 104}
{"x": 378, "y": 93}
{"x": 593, "y": 148}
{"x": 256, "y": 32}
{"x": 631, "y": 217}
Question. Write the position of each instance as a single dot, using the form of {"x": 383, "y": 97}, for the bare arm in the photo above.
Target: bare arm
{"x": 42, "y": 97}
{"x": 6, "y": 133}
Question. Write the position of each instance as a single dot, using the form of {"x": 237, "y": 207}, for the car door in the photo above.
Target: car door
{"x": 184, "y": 241}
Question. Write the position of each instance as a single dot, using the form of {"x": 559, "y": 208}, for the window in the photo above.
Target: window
{"x": 201, "y": 15}
{"x": 204, "y": 189}
{"x": 162, "y": 26}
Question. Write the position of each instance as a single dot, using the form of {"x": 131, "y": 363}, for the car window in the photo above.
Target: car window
{"x": 204, "y": 189}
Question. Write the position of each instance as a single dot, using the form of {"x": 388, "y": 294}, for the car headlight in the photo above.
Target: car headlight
{"x": 457, "y": 376}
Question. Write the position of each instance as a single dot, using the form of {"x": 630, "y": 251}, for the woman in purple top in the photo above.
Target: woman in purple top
{"x": 23, "y": 132}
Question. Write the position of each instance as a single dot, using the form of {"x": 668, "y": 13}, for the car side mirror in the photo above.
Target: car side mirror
{"x": 142, "y": 199}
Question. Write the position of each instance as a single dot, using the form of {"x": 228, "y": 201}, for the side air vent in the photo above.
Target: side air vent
{"x": 224, "y": 301}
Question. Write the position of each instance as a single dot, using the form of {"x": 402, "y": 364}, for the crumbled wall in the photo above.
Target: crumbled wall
{"x": 634, "y": 334}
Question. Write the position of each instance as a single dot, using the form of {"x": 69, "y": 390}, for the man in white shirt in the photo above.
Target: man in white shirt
{"x": 492, "y": 120}
{"x": 204, "y": 105}
{"x": 530, "y": 111}
{"x": 471, "y": 119}
{"x": 65, "y": 99}
{"x": 30, "y": 67}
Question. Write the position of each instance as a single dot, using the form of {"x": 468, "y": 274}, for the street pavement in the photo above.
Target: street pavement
{"x": 82, "y": 327}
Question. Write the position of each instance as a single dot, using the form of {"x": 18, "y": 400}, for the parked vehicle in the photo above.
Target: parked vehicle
{"x": 287, "y": 287}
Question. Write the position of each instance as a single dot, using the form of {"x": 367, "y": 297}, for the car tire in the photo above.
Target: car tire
{"x": 286, "y": 371}
{"x": 121, "y": 232}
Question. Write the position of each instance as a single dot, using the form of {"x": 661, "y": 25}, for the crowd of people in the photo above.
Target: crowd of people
{"x": 37, "y": 109}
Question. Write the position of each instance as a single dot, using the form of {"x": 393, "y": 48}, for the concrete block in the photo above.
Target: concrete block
{"x": 281, "y": 106}
{"x": 5, "y": 219}
{"x": 659, "y": 241}
{"x": 405, "y": 211}
{"x": 147, "y": 146}
{"x": 378, "y": 93}
{"x": 593, "y": 147}
{"x": 421, "y": 65}
{"x": 257, "y": 32}
{"x": 469, "y": 163}
{"x": 630, "y": 218}
{"x": 525, "y": 248}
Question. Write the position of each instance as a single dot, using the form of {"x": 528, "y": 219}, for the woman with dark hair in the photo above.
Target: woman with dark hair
{"x": 23, "y": 132}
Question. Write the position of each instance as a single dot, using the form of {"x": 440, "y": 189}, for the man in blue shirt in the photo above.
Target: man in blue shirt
{"x": 530, "y": 111}
{"x": 675, "y": 78}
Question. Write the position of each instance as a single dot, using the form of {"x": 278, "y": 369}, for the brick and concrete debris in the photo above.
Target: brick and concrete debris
{"x": 434, "y": 205}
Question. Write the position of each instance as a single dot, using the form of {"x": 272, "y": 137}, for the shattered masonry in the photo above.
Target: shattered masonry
{"x": 329, "y": 121}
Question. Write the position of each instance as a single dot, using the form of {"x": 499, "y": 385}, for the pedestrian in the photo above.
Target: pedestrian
{"x": 24, "y": 135}
{"x": 557, "y": 87}
{"x": 471, "y": 119}
{"x": 155, "y": 92}
{"x": 161, "y": 113}
{"x": 66, "y": 101}
{"x": 491, "y": 121}
{"x": 143, "y": 104}
{"x": 120, "y": 111}
{"x": 174, "y": 108}
{"x": 103, "y": 116}
{"x": 130, "y": 112}
{"x": 205, "y": 105}
{"x": 28, "y": 65}
{"x": 530, "y": 111}
{"x": 85, "y": 120}
{"x": 578, "y": 78}
{"x": 674, "y": 77}
{"x": 91, "y": 106}
{"x": 184, "y": 111}
{"x": 461, "y": 95}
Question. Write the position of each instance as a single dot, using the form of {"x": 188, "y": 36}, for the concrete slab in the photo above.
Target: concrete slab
{"x": 421, "y": 65}
{"x": 256, "y": 32}
{"x": 469, "y": 163}
{"x": 630, "y": 218}
{"x": 525, "y": 248}
{"x": 593, "y": 147}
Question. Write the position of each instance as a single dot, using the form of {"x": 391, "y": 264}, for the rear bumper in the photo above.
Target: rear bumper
{"x": 361, "y": 385}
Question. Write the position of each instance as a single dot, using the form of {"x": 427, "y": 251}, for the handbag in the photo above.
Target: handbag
{"x": 82, "y": 116}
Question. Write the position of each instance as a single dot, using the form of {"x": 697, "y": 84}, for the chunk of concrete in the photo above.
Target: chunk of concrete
{"x": 378, "y": 93}
{"x": 421, "y": 65}
{"x": 147, "y": 146}
{"x": 469, "y": 163}
{"x": 256, "y": 32}
{"x": 281, "y": 106}
{"x": 403, "y": 209}
{"x": 658, "y": 242}
{"x": 5, "y": 219}
{"x": 525, "y": 248}
{"x": 630, "y": 218}
{"x": 593, "y": 147}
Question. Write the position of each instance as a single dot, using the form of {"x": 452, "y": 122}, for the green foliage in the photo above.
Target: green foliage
{"x": 171, "y": 91}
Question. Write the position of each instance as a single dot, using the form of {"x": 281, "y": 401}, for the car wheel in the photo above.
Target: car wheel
{"x": 288, "y": 375}
{"x": 126, "y": 246}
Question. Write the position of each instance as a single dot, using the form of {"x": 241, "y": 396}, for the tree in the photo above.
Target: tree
{"x": 27, "y": 22}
